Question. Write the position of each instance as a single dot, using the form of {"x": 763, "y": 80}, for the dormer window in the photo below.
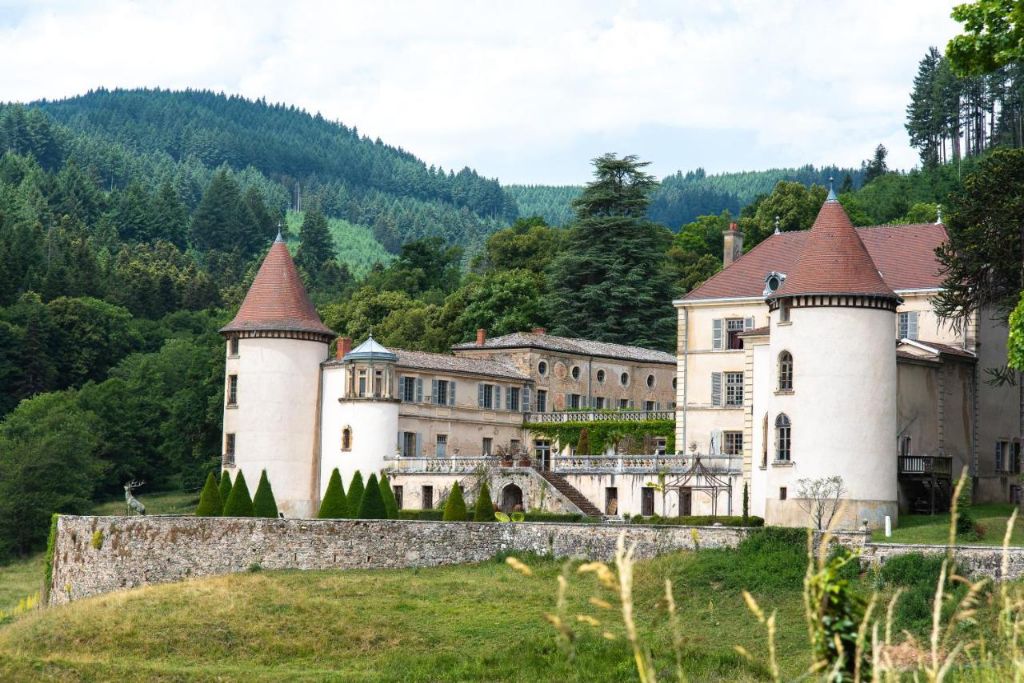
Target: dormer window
{"x": 772, "y": 282}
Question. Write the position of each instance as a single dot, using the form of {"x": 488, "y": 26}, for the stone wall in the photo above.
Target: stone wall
{"x": 94, "y": 555}
{"x": 974, "y": 561}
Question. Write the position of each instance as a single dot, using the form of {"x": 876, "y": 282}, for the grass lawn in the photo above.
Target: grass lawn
{"x": 20, "y": 579}
{"x": 935, "y": 528}
{"x": 161, "y": 503}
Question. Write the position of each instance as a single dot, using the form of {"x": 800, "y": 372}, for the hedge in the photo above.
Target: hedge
{"x": 354, "y": 495}
{"x": 698, "y": 520}
{"x": 334, "y": 504}
{"x": 372, "y": 504}
{"x": 224, "y": 489}
{"x": 210, "y": 504}
{"x": 263, "y": 503}
{"x": 483, "y": 511}
{"x": 239, "y": 503}
{"x": 422, "y": 515}
{"x": 455, "y": 506}
{"x": 390, "y": 502}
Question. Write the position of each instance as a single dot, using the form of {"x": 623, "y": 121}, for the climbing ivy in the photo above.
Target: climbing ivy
{"x": 605, "y": 433}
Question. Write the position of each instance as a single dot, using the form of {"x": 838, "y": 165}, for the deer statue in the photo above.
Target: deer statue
{"x": 134, "y": 506}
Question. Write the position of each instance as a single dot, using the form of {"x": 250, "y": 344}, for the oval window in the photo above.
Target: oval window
{"x": 575, "y": 372}
{"x": 542, "y": 368}
{"x": 600, "y": 376}
{"x": 624, "y": 378}
{"x": 650, "y": 381}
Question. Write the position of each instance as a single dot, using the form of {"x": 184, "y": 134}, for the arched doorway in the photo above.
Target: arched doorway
{"x": 511, "y": 498}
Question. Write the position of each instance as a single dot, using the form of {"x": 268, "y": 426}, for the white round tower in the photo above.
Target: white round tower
{"x": 360, "y": 426}
{"x": 832, "y": 409}
{"x": 275, "y": 346}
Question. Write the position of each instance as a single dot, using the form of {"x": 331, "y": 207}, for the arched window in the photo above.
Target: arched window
{"x": 346, "y": 439}
{"x": 785, "y": 371}
{"x": 783, "y": 437}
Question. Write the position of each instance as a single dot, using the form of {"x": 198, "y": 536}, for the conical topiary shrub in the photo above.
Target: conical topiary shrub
{"x": 484, "y": 510}
{"x": 455, "y": 506}
{"x": 224, "y": 489}
{"x": 263, "y": 503}
{"x": 334, "y": 504}
{"x": 239, "y": 503}
{"x": 390, "y": 504}
{"x": 372, "y": 504}
{"x": 355, "y": 495}
{"x": 210, "y": 504}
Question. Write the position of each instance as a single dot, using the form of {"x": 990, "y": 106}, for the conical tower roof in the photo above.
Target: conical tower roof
{"x": 277, "y": 301}
{"x": 834, "y": 260}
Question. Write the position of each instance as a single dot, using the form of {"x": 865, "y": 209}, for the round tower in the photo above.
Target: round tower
{"x": 275, "y": 346}
{"x": 361, "y": 429}
{"x": 832, "y": 409}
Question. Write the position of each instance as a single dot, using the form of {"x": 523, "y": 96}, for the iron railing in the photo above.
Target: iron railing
{"x": 599, "y": 416}
{"x": 926, "y": 464}
{"x": 571, "y": 464}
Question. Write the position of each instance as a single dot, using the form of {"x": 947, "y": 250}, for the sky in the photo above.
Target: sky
{"x": 528, "y": 92}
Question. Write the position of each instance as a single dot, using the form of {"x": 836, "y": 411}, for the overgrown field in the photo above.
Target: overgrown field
{"x": 991, "y": 517}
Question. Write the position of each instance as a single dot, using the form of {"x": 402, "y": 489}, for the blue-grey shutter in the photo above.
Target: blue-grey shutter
{"x": 419, "y": 445}
{"x": 419, "y": 390}
{"x": 912, "y": 325}
{"x": 526, "y": 399}
{"x": 480, "y": 395}
{"x": 716, "y": 388}
{"x": 497, "y": 397}
{"x": 451, "y": 392}
{"x": 401, "y": 388}
{"x": 716, "y": 335}
{"x": 433, "y": 390}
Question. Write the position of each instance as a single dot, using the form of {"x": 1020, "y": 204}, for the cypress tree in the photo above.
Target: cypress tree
{"x": 334, "y": 505}
{"x": 239, "y": 503}
{"x": 263, "y": 502}
{"x": 225, "y": 489}
{"x": 455, "y": 506}
{"x": 484, "y": 510}
{"x": 372, "y": 504}
{"x": 210, "y": 504}
{"x": 354, "y": 499}
{"x": 390, "y": 503}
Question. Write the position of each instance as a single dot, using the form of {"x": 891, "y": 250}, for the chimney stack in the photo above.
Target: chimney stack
{"x": 539, "y": 330}
{"x": 481, "y": 336}
{"x": 732, "y": 240}
{"x": 344, "y": 346}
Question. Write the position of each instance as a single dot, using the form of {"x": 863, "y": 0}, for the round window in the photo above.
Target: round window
{"x": 542, "y": 368}
{"x": 650, "y": 381}
{"x": 624, "y": 378}
{"x": 600, "y": 376}
{"x": 575, "y": 372}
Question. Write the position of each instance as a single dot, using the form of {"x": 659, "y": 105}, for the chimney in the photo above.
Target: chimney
{"x": 481, "y": 336}
{"x": 344, "y": 346}
{"x": 732, "y": 244}
{"x": 539, "y": 330}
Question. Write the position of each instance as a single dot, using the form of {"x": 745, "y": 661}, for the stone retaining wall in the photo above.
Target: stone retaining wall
{"x": 972, "y": 560}
{"x": 94, "y": 555}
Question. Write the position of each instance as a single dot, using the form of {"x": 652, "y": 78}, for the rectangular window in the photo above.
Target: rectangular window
{"x": 1002, "y": 448}
{"x": 516, "y": 445}
{"x": 542, "y": 400}
{"x": 229, "y": 445}
{"x": 599, "y": 402}
{"x": 487, "y": 445}
{"x": 623, "y": 404}
{"x": 362, "y": 383}
{"x": 441, "y": 446}
{"x": 1015, "y": 458}
{"x": 573, "y": 402}
{"x": 734, "y": 388}
{"x": 512, "y": 400}
{"x": 427, "y": 497}
{"x": 650, "y": 406}
{"x": 782, "y": 493}
{"x": 905, "y": 446}
{"x": 611, "y": 500}
{"x": 660, "y": 445}
{"x": 733, "y": 443}
{"x": 441, "y": 392}
{"x": 409, "y": 446}
{"x": 486, "y": 396}
{"x": 783, "y": 439}
{"x": 647, "y": 501}
{"x": 399, "y": 494}
{"x": 733, "y": 328}
{"x": 783, "y": 312}
{"x": 232, "y": 390}
{"x": 908, "y": 325}
{"x": 685, "y": 501}
{"x": 378, "y": 383}
{"x": 407, "y": 389}
{"x": 233, "y": 347}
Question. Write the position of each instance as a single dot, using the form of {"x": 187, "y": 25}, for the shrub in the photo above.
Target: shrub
{"x": 263, "y": 503}
{"x": 746, "y": 503}
{"x": 918, "y": 576}
{"x": 372, "y": 505}
{"x": 210, "y": 504}
{"x": 239, "y": 503}
{"x": 354, "y": 498}
{"x": 698, "y": 520}
{"x": 334, "y": 504}
{"x": 455, "y": 506}
{"x": 574, "y": 518}
{"x": 484, "y": 509}
{"x": 390, "y": 504}
{"x": 423, "y": 515}
{"x": 48, "y": 565}
{"x": 224, "y": 489}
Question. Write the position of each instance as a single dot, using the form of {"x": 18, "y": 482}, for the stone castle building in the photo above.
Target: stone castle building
{"x": 814, "y": 354}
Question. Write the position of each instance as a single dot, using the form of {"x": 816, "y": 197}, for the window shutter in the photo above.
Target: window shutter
{"x": 716, "y": 389}
{"x": 419, "y": 442}
{"x": 419, "y": 389}
{"x": 480, "y": 395}
{"x": 912, "y": 325}
{"x": 716, "y": 334}
{"x": 451, "y": 392}
{"x": 748, "y": 323}
{"x": 526, "y": 399}
{"x": 497, "y": 397}
{"x": 433, "y": 391}
{"x": 400, "y": 443}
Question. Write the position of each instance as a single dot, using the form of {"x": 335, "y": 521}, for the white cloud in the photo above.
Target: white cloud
{"x": 510, "y": 88}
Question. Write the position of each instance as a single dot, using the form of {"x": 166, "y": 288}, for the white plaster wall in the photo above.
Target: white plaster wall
{"x": 594, "y": 486}
{"x": 929, "y": 326}
{"x": 275, "y": 420}
{"x": 763, "y": 377}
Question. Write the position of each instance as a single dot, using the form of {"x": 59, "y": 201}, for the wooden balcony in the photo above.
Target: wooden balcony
{"x": 914, "y": 466}
{"x": 599, "y": 416}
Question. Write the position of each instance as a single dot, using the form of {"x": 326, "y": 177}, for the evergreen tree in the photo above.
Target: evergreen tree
{"x": 372, "y": 505}
{"x": 354, "y": 499}
{"x": 222, "y": 221}
{"x": 455, "y": 506}
{"x": 390, "y": 503}
{"x": 210, "y": 504}
{"x": 170, "y": 216}
{"x": 876, "y": 166}
{"x": 239, "y": 503}
{"x": 263, "y": 502}
{"x": 609, "y": 283}
{"x": 334, "y": 504}
{"x": 224, "y": 489}
{"x": 316, "y": 248}
{"x": 484, "y": 509}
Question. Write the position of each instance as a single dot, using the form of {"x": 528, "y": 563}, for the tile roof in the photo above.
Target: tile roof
{"x": 834, "y": 260}
{"x": 277, "y": 301}
{"x": 443, "y": 362}
{"x": 905, "y": 254}
{"x": 583, "y": 347}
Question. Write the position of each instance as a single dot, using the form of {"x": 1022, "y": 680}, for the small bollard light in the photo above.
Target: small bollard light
{"x": 888, "y": 526}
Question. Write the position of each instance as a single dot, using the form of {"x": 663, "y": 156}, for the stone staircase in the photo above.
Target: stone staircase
{"x": 572, "y": 493}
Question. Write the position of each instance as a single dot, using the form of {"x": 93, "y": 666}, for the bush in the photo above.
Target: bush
{"x": 422, "y": 515}
{"x": 455, "y": 506}
{"x": 918, "y": 576}
{"x": 210, "y": 504}
{"x": 224, "y": 489}
{"x": 698, "y": 520}
{"x": 263, "y": 503}
{"x": 239, "y": 503}
{"x": 51, "y": 544}
{"x": 354, "y": 497}
{"x": 574, "y": 518}
{"x": 372, "y": 504}
{"x": 334, "y": 505}
{"x": 483, "y": 511}
{"x": 390, "y": 504}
